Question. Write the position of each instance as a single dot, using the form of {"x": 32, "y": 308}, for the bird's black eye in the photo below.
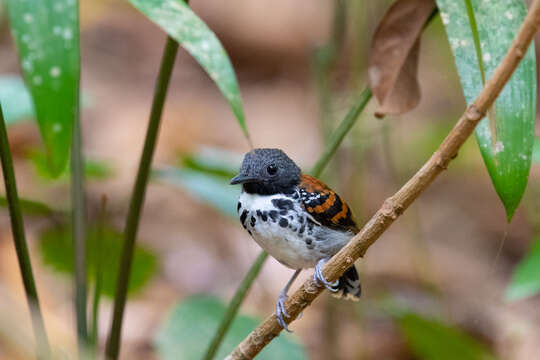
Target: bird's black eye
{"x": 271, "y": 169}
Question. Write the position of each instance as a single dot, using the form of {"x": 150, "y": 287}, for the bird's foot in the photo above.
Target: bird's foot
{"x": 281, "y": 312}
{"x": 319, "y": 278}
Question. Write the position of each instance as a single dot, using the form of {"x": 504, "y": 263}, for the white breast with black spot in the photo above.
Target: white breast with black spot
{"x": 280, "y": 225}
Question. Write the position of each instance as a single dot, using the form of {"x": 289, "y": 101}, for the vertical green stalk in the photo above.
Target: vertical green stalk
{"x": 234, "y": 305}
{"x": 137, "y": 197}
{"x": 78, "y": 230}
{"x": 344, "y": 127}
{"x": 325, "y": 61}
{"x": 335, "y": 140}
{"x": 17, "y": 227}
{"x": 98, "y": 261}
{"x": 78, "y": 220}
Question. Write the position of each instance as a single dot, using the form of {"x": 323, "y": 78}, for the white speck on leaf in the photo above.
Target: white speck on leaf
{"x": 28, "y": 18}
{"x": 57, "y": 127}
{"x": 445, "y": 18}
{"x": 499, "y": 146}
{"x": 55, "y": 71}
{"x": 486, "y": 57}
{"x": 68, "y": 34}
{"x": 26, "y": 64}
{"x": 37, "y": 80}
{"x": 509, "y": 15}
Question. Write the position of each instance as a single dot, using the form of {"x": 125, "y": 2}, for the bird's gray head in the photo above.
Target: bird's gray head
{"x": 267, "y": 171}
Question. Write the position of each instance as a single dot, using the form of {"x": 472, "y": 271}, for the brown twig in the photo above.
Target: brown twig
{"x": 394, "y": 206}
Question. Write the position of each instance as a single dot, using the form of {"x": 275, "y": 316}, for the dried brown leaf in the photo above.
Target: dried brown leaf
{"x": 393, "y": 58}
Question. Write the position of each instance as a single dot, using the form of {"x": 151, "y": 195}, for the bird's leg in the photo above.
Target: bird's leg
{"x": 318, "y": 277}
{"x": 280, "y": 305}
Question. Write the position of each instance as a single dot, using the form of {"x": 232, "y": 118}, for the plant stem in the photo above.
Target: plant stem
{"x": 137, "y": 197}
{"x": 234, "y": 305}
{"x": 326, "y": 58}
{"x": 337, "y": 135}
{"x": 78, "y": 220}
{"x": 79, "y": 233}
{"x": 17, "y": 227}
{"x": 98, "y": 262}
{"x": 241, "y": 292}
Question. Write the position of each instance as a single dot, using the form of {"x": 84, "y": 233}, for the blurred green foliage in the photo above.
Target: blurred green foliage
{"x": 208, "y": 188}
{"x": 30, "y": 207}
{"x": 430, "y": 339}
{"x": 187, "y": 331}
{"x": 526, "y": 276}
{"x": 56, "y": 248}
{"x": 95, "y": 170}
{"x": 15, "y": 99}
{"x": 205, "y": 174}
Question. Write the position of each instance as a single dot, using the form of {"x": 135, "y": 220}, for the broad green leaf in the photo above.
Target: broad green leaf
{"x": 56, "y": 247}
{"x": 480, "y": 33}
{"x": 430, "y": 339}
{"x": 188, "y": 330}
{"x": 177, "y": 19}
{"x": 213, "y": 190}
{"x": 92, "y": 169}
{"x": 15, "y": 99}
{"x": 47, "y": 37}
{"x": 526, "y": 277}
{"x": 30, "y": 207}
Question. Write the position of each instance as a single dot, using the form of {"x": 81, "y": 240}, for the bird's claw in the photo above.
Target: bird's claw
{"x": 281, "y": 312}
{"x": 319, "y": 278}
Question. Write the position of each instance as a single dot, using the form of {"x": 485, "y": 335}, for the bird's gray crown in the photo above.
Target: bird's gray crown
{"x": 268, "y": 171}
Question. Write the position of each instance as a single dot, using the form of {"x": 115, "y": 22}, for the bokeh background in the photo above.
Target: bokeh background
{"x": 449, "y": 257}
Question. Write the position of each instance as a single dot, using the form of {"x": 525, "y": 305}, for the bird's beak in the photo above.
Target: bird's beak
{"x": 241, "y": 179}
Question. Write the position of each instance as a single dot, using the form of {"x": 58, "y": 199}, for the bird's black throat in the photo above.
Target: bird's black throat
{"x": 271, "y": 188}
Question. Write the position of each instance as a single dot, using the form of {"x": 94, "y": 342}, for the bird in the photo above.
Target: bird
{"x": 295, "y": 218}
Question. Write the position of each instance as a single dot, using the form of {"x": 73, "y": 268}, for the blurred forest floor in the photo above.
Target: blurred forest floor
{"x": 439, "y": 258}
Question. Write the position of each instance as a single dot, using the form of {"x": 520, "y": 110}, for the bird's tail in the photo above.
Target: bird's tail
{"x": 349, "y": 287}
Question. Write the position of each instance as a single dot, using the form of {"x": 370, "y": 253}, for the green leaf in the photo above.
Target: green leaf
{"x": 15, "y": 99}
{"x": 56, "y": 248}
{"x": 430, "y": 339}
{"x": 30, "y": 207}
{"x": 177, "y": 19}
{"x": 526, "y": 277}
{"x": 213, "y": 190}
{"x": 187, "y": 331}
{"x": 92, "y": 169}
{"x": 480, "y": 33}
{"x": 47, "y": 37}
{"x": 213, "y": 161}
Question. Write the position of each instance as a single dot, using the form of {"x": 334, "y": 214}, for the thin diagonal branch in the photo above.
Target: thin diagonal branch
{"x": 394, "y": 206}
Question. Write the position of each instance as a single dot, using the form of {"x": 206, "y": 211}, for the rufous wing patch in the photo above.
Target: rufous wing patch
{"x": 325, "y": 205}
